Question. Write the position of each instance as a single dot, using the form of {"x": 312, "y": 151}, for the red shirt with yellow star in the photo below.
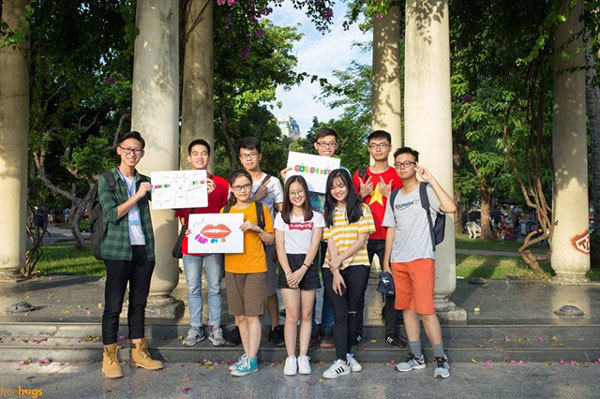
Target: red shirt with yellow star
{"x": 376, "y": 200}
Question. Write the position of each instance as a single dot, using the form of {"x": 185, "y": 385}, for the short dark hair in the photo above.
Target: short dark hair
{"x": 232, "y": 177}
{"x": 380, "y": 134}
{"x": 198, "y": 142}
{"x": 132, "y": 135}
{"x": 324, "y": 132}
{"x": 407, "y": 150}
{"x": 249, "y": 143}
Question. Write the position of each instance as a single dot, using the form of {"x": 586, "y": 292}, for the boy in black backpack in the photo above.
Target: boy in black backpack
{"x": 409, "y": 256}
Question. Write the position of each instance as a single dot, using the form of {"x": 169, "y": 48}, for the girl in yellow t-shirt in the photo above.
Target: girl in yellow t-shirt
{"x": 246, "y": 273}
{"x": 348, "y": 224}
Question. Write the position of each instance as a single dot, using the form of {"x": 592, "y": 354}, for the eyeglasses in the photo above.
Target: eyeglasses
{"x": 251, "y": 155}
{"x": 381, "y": 146}
{"x": 328, "y": 144}
{"x": 296, "y": 193}
{"x": 404, "y": 165}
{"x": 127, "y": 150}
{"x": 242, "y": 187}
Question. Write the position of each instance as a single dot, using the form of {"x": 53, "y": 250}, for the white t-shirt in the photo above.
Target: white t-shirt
{"x": 298, "y": 233}
{"x": 274, "y": 195}
{"x": 136, "y": 234}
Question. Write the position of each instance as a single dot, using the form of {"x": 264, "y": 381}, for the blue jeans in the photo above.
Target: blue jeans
{"x": 327, "y": 311}
{"x": 192, "y": 266}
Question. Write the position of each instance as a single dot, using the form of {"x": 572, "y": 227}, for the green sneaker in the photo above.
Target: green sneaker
{"x": 248, "y": 366}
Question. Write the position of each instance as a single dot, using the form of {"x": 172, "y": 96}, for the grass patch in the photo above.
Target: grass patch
{"x": 464, "y": 242}
{"x": 63, "y": 257}
{"x": 84, "y": 225}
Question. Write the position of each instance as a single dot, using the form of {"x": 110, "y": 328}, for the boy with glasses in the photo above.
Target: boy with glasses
{"x": 218, "y": 192}
{"x": 373, "y": 186}
{"x": 268, "y": 191}
{"x": 409, "y": 256}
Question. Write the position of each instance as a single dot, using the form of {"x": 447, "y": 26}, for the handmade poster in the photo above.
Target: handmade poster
{"x": 215, "y": 233}
{"x": 177, "y": 189}
{"x": 313, "y": 168}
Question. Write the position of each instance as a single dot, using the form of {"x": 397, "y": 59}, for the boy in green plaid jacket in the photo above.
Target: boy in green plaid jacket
{"x": 128, "y": 253}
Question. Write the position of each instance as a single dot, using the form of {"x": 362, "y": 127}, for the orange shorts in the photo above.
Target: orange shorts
{"x": 414, "y": 282}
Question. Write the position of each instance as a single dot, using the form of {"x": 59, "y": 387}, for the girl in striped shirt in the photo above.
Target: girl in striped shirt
{"x": 348, "y": 224}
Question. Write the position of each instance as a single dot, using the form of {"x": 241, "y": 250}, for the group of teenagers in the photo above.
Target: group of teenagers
{"x": 337, "y": 232}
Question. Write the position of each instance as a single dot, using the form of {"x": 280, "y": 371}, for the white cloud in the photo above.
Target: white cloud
{"x": 318, "y": 54}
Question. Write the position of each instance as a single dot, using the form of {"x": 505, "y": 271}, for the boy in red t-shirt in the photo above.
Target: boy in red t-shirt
{"x": 218, "y": 194}
{"x": 374, "y": 185}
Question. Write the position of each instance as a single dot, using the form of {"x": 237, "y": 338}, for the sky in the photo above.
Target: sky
{"x": 318, "y": 54}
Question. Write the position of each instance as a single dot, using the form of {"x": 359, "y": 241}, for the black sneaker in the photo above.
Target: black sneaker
{"x": 276, "y": 336}
{"x": 233, "y": 338}
{"x": 397, "y": 340}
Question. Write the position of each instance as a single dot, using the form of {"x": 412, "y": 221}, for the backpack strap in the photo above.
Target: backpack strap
{"x": 392, "y": 198}
{"x": 110, "y": 179}
{"x": 260, "y": 214}
{"x": 425, "y": 204}
{"x": 226, "y": 208}
{"x": 362, "y": 172}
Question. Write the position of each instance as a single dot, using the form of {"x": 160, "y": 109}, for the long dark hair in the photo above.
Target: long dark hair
{"x": 286, "y": 211}
{"x": 354, "y": 209}
{"x": 235, "y": 175}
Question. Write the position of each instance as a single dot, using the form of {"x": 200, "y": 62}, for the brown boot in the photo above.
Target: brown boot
{"x": 110, "y": 362}
{"x": 139, "y": 357}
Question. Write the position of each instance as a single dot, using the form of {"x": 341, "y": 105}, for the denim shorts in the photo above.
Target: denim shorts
{"x": 310, "y": 281}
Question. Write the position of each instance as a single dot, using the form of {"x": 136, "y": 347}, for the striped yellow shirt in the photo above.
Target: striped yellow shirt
{"x": 345, "y": 234}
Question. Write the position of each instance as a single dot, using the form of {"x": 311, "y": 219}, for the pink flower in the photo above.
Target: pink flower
{"x": 521, "y": 362}
{"x": 541, "y": 339}
{"x": 513, "y": 361}
{"x": 230, "y": 2}
{"x": 562, "y": 361}
{"x": 598, "y": 360}
{"x": 121, "y": 338}
{"x": 187, "y": 390}
{"x": 260, "y": 33}
{"x": 392, "y": 362}
{"x": 220, "y": 2}
{"x": 573, "y": 363}
{"x": 244, "y": 53}
{"x": 379, "y": 16}
{"x": 110, "y": 80}
{"x": 484, "y": 365}
{"x": 88, "y": 312}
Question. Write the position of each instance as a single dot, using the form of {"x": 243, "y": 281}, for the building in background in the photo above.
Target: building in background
{"x": 288, "y": 126}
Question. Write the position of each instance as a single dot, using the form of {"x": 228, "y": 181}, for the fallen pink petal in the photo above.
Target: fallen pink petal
{"x": 521, "y": 362}
{"x": 121, "y": 338}
{"x": 507, "y": 339}
{"x": 186, "y": 375}
{"x": 22, "y": 363}
{"x": 88, "y": 312}
{"x": 392, "y": 362}
{"x": 562, "y": 361}
{"x": 187, "y": 389}
{"x": 45, "y": 361}
{"x": 541, "y": 339}
{"x": 513, "y": 361}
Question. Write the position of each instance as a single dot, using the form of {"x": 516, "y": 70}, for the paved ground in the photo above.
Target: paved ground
{"x": 375, "y": 381}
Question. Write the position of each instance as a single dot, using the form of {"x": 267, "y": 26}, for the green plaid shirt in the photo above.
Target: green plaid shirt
{"x": 116, "y": 244}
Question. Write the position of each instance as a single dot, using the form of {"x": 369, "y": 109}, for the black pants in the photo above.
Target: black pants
{"x": 345, "y": 307}
{"x": 392, "y": 317}
{"x": 138, "y": 272}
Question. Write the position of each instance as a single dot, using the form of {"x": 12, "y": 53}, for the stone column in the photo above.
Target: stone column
{"x": 428, "y": 123}
{"x": 197, "y": 114}
{"x": 387, "y": 91}
{"x": 570, "y": 257}
{"x": 14, "y": 130}
{"x": 155, "y": 114}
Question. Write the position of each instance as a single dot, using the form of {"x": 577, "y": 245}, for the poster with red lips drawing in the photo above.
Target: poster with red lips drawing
{"x": 216, "y": 233}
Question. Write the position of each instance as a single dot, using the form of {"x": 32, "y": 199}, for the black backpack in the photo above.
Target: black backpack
{"x": 260, "y": 215}
{"x": 436, "y": 229}
{"x": 97, "y": 225}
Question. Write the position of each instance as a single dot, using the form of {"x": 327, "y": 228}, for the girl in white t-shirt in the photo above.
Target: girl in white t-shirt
{"x": 298, "y": 231}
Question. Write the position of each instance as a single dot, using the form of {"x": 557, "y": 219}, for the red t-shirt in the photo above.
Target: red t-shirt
{"x": 216, "y": 200}
{"x": 375, "y": 199}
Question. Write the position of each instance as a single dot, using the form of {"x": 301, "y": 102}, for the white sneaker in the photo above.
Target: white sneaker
{"x": 412, "y": 363}
{"x": 194, "y": 335}
{"x": 442, "y": 368}
{"x": 336, "y": 369}
{"x": 216, "y": 336}
{"x": 304, "y": 365}
{"x": 352, "y": 363}
{"x": 291, "y": 367}
{"x": 238, "y": 363}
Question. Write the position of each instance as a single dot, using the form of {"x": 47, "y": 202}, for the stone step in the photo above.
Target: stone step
{"x": 373, "y": 351}
{"x": 449, "y": 331}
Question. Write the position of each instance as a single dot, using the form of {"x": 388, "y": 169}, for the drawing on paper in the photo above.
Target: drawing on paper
{"x": 215, "y": 233}
{"x": 179, "y": 189}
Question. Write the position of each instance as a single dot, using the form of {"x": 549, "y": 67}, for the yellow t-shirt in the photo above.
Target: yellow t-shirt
{"x": 253, "y": 259}
{"x": 345, "y": 234}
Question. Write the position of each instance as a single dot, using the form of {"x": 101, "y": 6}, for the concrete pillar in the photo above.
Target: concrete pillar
{"x": 387, "y": 90}
{"x": 428, "y": 123}
{"x": 155, "y": 114}
{"x": 197, "y": 111}
{"x": 570, "y": 257}
{"x": 14, "y": 130}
